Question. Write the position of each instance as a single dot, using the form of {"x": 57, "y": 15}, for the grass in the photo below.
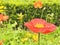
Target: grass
{"x": 23, "y": 37}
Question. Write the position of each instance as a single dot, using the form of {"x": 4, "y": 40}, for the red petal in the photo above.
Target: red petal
{"x": 31, "y": 27}
{"x": 37, "y": 20}
{"x": 48, "y": 28}
{"x": 28, "y": 25}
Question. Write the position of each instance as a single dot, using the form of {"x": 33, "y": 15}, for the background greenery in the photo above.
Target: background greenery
{"x": 50, "y": 11}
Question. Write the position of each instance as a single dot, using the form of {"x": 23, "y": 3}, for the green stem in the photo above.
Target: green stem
{"x": 38, "y": 38}
{"x": 46, "y": 18}
{"x": 42, "y": 13}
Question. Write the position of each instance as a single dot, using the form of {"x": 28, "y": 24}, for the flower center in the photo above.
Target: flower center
{"x": 39, "y": 25}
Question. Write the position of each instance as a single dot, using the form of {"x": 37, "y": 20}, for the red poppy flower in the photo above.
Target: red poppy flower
{"x": 38, "y": 4}
{"x": 40, "y": 26}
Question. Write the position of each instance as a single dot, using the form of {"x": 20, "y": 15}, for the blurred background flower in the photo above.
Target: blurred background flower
{"x": 24, "y": 39}
{"x": 35, "y": 37}
{"x": 38, "y": 4}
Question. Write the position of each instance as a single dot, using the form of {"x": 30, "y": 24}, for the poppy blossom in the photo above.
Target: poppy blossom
{"x": 40, "y": 26}
{"x": 38, "y": 4}
{"x": 3, "y": 17}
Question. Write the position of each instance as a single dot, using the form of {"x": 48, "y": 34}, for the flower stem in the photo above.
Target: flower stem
{"x": 42, "y": 14}
{"x": 38, "y": 38}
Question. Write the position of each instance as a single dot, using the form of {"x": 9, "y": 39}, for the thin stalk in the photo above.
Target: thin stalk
{"x": 38, "y": 38}
{"x": 42, "y": 14}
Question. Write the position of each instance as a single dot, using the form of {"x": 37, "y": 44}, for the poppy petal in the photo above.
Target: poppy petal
{"x": 37, "y": 20}
{"x": 31, "y": 27}
{"x": 48, "y": 28}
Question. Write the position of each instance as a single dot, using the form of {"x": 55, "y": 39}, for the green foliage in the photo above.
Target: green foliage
{"x": 15, "y": 37}
{"x": 49, "y": 12}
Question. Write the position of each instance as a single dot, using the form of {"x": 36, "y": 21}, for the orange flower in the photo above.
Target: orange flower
{"x": 38, "y": 4}
{"x": 1, "y": 42}
{"x": 5, "y": 18}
